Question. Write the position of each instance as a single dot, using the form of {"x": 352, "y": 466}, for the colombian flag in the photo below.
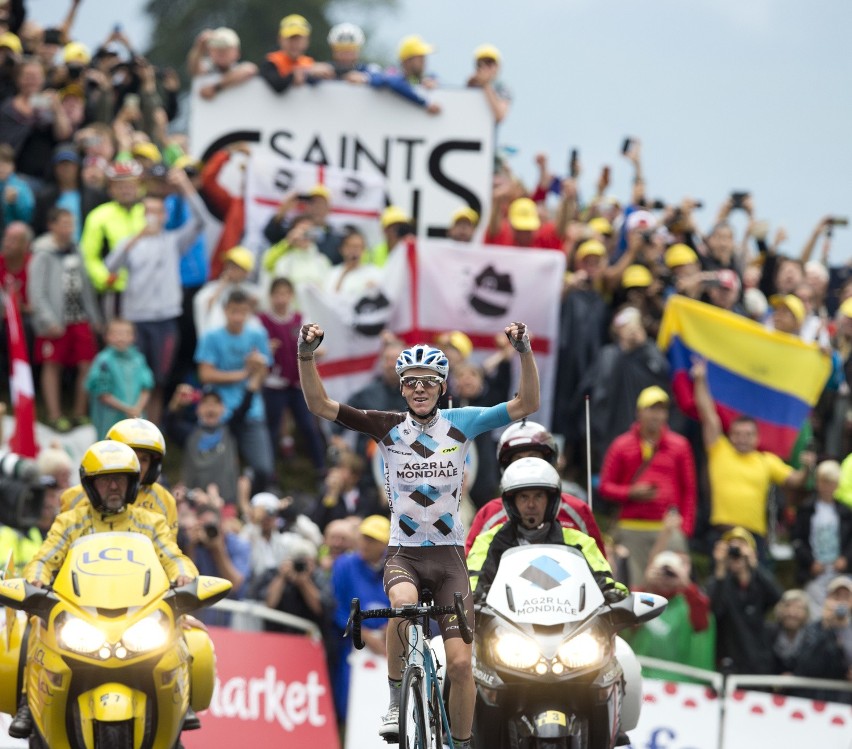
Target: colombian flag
{"x": 773, "y": 377}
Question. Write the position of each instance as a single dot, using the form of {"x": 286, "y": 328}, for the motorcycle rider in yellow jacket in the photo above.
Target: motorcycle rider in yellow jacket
{"x": 150, "y": 447}
{"x": 109, "y": 475}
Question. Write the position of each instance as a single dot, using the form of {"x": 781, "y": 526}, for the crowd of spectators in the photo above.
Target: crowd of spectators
{"x": 125, "y": 258}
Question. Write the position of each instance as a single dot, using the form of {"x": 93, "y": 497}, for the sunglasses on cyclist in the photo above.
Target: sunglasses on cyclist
{"x": 428, "y": 381}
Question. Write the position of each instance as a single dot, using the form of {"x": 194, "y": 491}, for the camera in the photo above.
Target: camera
{"x": 668, "y": 572}
{"x": 211, "y": 530}
{"x": 647, "y": 236}
{"x": 300, "y": 565}
{"x": 735, "y": 552}
{"x": 738, "y": 199}
{"x": 21, "y": 491}
{"x": 626, "y": 145}
{"x": 838, "y": 221}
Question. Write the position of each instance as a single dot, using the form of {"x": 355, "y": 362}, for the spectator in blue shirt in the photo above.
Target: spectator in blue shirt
{"x": 227, "y": 357}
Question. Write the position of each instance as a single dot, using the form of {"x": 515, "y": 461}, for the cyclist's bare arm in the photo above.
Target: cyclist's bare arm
{"x": 317, "y": 399}
{"x": 528, "y": 399}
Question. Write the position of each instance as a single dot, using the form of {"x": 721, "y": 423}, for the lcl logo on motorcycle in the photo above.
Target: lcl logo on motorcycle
{"x": 110, "y": 554}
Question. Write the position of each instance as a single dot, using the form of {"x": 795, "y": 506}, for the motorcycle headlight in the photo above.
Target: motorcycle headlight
{"x": 582, "y": 650}
{"x": 148, "y": 634}
{"x": 80, "y": 636}
{"x": 514, "y": 650}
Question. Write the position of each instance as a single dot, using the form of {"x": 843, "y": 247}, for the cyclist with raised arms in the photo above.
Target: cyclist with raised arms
{"x": 424, "y": 453}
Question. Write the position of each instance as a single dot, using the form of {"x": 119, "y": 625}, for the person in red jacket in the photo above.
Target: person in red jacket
{"x": 228, "y": 208}
{"x": 526, "y": 439}
{"x": 650, "y": 471}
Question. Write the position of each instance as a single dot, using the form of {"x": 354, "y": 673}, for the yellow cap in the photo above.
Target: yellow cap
{"x": 377, "y": 527}
{"x": 76, "y": 52}
{"x": 651, "y": 396}
{"x": 486, "y": 52}
{"x": 523, "y": 215}
{"x": 636, "y": 276}
{"x": 791, "y": 302}
{"x": 242, "y": 257}
{"x": 147, "y": 151}
{"x": 680, "y": 254}
{"x": 464, "y": 214}
{"x": 600, "y": 225}
{"x": 460, "y": 342}
{"x": 10, "y": 40}
{"x": 394, "y": 215}
{"x": 184, "y": 161}
{"x": 320, "y": 191}
{"x": 590, "y": 247}
{"x": 414, "y": 46}
{"x": 742, "y": 534}
{"x": 294, "y": 25}
{"x": 846, "y": 308}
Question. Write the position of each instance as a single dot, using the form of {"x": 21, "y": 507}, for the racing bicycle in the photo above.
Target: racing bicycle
{"x": 423, "y": 722}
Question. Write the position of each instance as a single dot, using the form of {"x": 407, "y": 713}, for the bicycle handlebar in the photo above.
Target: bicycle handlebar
{"x": 409, "y": 611}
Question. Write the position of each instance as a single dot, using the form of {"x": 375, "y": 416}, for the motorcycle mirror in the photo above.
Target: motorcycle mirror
{"x": 203, "y": 591}
{"x": 18, "y": 594}
{"x": 636, "y": 609}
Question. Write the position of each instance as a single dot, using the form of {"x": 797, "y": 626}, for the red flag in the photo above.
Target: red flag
{"x": 20, "y": 383}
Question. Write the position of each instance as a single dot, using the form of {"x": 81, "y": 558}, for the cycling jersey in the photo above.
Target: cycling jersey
{"x": 424, "y": 467}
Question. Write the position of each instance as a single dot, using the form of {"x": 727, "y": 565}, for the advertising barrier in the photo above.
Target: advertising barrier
{"x": 271, "y": 690}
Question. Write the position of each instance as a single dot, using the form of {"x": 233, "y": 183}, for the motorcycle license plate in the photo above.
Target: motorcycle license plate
{"x": 551, "y": 718}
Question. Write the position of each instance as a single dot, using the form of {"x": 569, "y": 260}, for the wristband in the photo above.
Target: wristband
{"x": 305, "y": 358}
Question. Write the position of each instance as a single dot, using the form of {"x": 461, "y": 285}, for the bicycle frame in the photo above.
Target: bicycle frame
{"x": 420, "y": 665}
{"x": 419, "y": 655}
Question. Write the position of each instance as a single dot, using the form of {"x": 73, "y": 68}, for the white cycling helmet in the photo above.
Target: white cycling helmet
{"x": 423, "y": 356}
{"x": 523, "y": 436}
{"x": 530, "y": 473}
{"x": 345, "y": 35}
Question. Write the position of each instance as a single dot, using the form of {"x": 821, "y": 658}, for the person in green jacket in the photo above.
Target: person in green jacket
{"x": 531, "y": 494}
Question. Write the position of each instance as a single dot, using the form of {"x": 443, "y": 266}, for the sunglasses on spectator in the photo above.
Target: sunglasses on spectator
{"x": 427, "y": 381}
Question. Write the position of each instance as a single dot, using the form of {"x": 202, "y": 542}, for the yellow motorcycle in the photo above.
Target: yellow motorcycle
{"x": 105, "y": 660}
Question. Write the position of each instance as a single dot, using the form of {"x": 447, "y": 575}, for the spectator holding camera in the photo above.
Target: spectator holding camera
{"x": 342, "y": 495}
{"x": 741, "y": 594}
{"x": 787, "y": 632}
{"x": 297, "y": 256}
{"x": 269, "y": 546}
{"x": 316, "y": 206}
{"x": 295, "y": 587}
{"x": 827, "y": 643}
{"x": 686, "y": 631}
{"x": 214, "y": 547}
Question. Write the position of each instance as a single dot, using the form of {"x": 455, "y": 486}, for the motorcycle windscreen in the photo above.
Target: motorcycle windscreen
{"x": 544, "y": 584}
{"x": 120, "y": 568}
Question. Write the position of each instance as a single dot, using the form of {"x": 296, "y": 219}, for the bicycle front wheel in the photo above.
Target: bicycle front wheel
{"x": 413, "y": 725}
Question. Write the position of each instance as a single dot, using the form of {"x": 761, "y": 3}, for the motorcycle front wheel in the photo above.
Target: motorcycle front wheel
{"x": 114, "y": 735}
{"x": 413, "y": 722}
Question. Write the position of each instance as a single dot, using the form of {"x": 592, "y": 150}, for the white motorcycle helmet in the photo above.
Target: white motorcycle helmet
{"x": 423, "y": 356}
{"x": 346, "y": 35}
{"x": 523, "y": 436}
{"x": 531, "y": 473}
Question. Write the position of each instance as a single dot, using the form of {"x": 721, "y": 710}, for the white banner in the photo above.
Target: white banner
{"x": 357, "y": 199}
{"x": 479, "y": 290}
{"x": 433, "y": 164}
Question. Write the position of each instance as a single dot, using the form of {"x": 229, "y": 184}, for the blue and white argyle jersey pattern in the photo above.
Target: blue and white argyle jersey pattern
{"x": 424, "y": 473}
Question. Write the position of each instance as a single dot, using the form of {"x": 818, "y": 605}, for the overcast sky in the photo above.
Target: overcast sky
{"x": 725, "y": 94}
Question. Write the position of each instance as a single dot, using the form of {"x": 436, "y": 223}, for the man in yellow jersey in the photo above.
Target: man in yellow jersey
{"x": 109, "y": 474}
{"x": 150, "y": 447}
